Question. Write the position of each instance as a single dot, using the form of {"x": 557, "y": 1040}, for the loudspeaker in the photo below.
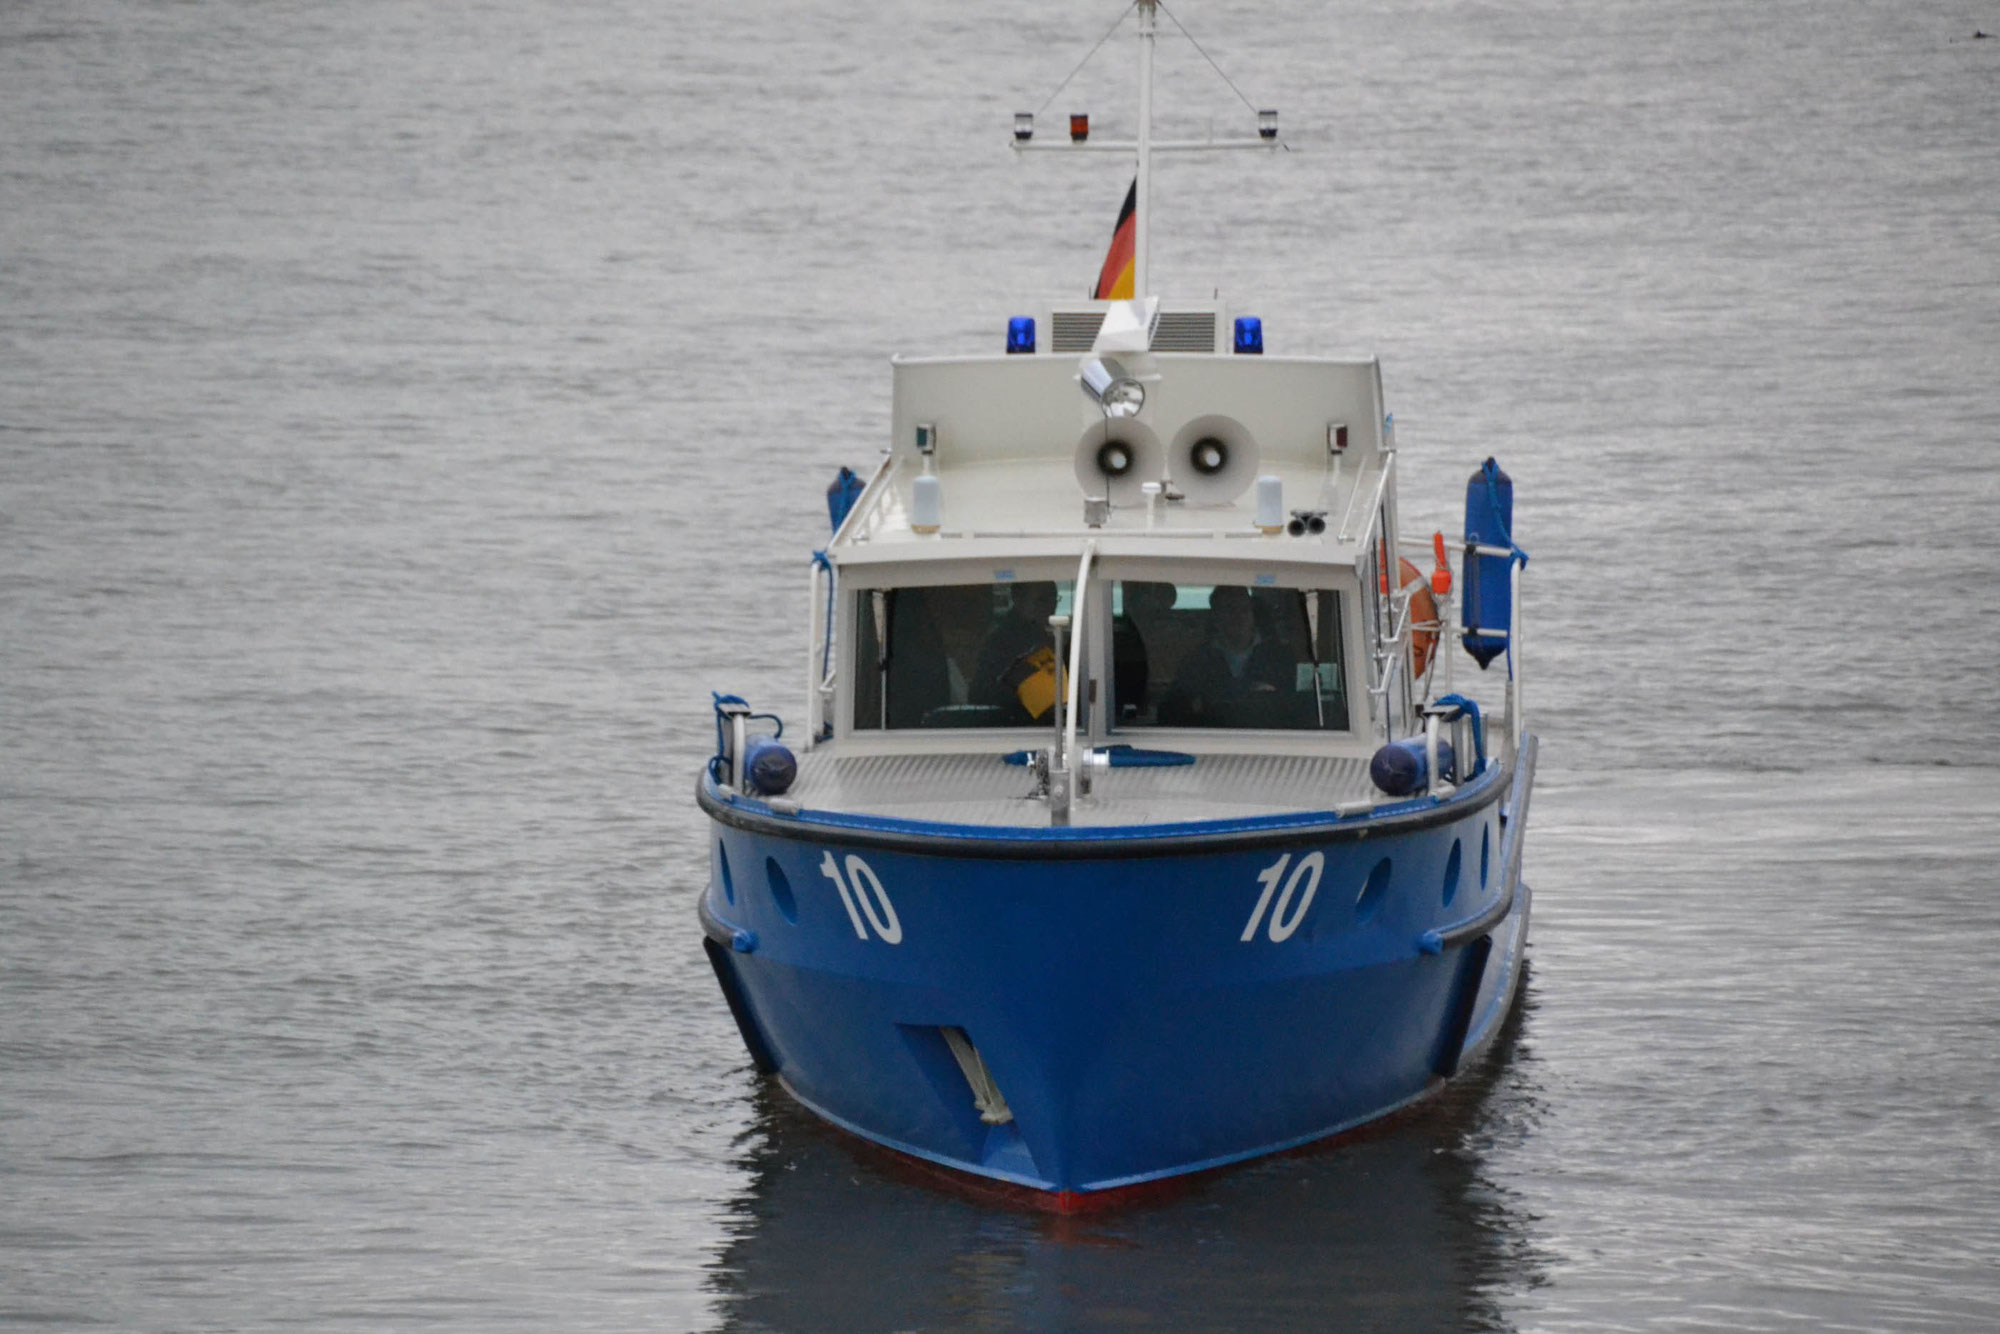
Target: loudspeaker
{"x": 1213, "y": 460}
{"x": 1115, "y": 457}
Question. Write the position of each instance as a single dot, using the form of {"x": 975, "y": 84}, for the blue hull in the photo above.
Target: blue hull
{"x": 1147, "y": 1007}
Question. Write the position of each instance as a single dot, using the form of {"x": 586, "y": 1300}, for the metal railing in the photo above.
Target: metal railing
{"x": 821, "y": 660}
{"x": 1064, "y": 769}
{"x": 1393, "y": 652}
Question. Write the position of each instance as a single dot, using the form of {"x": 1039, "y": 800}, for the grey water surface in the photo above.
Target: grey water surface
{"x": 409, "y": 412}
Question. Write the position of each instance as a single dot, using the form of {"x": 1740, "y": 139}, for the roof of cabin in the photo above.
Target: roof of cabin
{"x": 1014, "y": 439}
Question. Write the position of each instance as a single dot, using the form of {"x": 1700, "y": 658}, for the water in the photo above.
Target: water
{"x": 407, "y": 413}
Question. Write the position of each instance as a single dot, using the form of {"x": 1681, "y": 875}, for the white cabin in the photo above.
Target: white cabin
{"x": 934, "y": 594}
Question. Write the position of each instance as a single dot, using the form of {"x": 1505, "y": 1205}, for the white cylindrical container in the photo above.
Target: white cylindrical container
{"x": 1270, "y": 503}
{"x": 1151, "y": 490}
{"x": 926, "y": 504}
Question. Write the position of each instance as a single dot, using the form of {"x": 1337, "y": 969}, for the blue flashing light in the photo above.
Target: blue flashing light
{"x": 1249, "y": 335}
{"x": 1021, "y": 334}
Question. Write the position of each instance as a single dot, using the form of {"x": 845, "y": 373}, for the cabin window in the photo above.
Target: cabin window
{"x": 956, "y": 655}
{"x": 1222, "y": 655}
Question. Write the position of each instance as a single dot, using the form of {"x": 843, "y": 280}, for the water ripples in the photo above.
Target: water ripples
{"x": 409, "y": 416}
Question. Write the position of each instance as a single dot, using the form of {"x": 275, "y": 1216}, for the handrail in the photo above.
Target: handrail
{"x": 1374, "y": 503}
{"x": 1394, "y": 649}
{"x": 863, "y": 503}
{"x": 816, "y": 634}
{"x": 1389, "y": 655}
{"x": 1075, "y": 657}
{"x": 1514, "y": 708}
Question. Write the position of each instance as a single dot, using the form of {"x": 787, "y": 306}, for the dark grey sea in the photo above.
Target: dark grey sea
{"x": 409, "y": 412}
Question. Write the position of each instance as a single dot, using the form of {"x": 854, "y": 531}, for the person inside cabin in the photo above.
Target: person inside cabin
{"x": 1129, "y": 670}
{"x": 918, "y": 677}
{"x": 1016, "y": 671}
{"x": 1233, "y": 678}
{"x": 1278, "y": 617}
{"x": 1165, "y": 637}
{"x": 963, "y": 614}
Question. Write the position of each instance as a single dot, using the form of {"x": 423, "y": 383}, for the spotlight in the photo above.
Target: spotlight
{"x": 1108, "y": 385}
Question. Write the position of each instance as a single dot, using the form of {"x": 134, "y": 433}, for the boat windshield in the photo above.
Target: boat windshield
{"x": 1183, "y": 655}
{"x": 1222, "y": 655}
{"x": 957, "y": 655}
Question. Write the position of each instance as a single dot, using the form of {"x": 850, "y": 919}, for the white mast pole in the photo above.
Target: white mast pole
{"x": 1144, "y": 201}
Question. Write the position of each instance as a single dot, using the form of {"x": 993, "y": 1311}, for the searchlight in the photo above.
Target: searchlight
{"x": 1111, "y": 387}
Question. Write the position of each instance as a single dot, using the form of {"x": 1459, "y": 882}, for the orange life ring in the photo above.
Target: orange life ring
{"x": 1423, "y": 612}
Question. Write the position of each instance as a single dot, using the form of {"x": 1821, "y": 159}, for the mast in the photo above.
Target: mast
{"x": 1143, "y": 147}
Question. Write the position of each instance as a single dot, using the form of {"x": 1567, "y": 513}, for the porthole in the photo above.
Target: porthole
{"x": 1372, "y": 893}
{"x": 781, "y": 890}
{"x": 1451, "y": 871}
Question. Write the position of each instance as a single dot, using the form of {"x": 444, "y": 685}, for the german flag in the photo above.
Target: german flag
{"x": 1115, "y": 282}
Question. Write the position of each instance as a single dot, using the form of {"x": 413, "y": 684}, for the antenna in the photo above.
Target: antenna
{"x": 1145, "y": 145}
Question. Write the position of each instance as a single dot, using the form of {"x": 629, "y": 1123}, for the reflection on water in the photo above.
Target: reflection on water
{"x": 1398, "y": 1229}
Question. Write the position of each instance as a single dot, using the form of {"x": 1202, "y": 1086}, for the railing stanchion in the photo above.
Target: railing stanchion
{"x": 813, "y": 636}
{"x": 1515, "y": 709}
{"x": 1077, "y": 619}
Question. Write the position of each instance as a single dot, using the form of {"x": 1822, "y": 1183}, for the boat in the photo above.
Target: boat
{"x": 1133, "y": 825}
